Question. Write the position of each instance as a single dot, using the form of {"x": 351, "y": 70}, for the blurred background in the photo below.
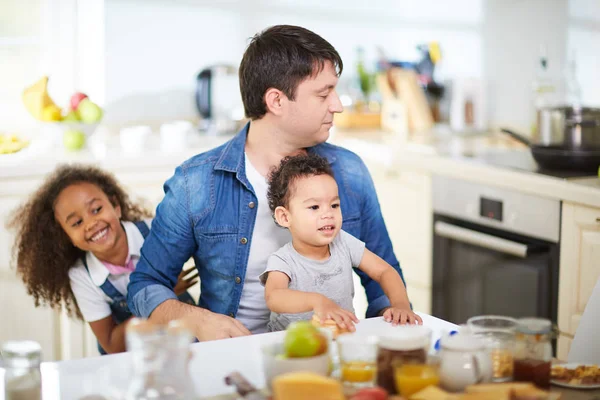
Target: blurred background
{"x": 139, "y": 59}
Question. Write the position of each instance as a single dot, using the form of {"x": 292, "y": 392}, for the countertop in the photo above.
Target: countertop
{"x": 438, "y": 152}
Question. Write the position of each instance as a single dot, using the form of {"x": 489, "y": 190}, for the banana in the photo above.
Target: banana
{"x": 36, "y": 98}
{"x": 11, "y": 144}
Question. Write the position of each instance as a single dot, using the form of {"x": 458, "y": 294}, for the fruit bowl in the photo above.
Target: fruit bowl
{"x": 276, "y": 363}
{"x": 72, "y": 134}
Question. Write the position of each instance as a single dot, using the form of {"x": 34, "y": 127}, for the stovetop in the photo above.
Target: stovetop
{"x": 522, "y": 160}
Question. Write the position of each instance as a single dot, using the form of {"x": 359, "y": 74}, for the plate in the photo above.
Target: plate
{"x": 570, "y": 385}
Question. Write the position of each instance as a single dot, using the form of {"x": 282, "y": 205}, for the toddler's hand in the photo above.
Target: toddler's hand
{"x": 326, "y": 309}
{"x": 401, "y": 316}
{"x": 184, "y": 283}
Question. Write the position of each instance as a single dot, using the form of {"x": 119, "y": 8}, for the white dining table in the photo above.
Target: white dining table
{"x": 211, "y": 362}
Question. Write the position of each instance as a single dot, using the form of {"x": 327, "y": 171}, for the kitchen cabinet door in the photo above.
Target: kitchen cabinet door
{"x": 405, "y": 198}
{"x": 579, "y": 266}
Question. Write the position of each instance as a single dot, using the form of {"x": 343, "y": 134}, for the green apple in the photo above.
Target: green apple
{"x": 71, "y": 117}
{"x": 302, "y": 339}
{"x": 73, "y": 140}
{"x": 89, "y": 112}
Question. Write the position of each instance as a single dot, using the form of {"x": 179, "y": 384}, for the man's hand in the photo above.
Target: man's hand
{"x": 212, "y": 326}
{"x": 184, "y": 283}
{"x": 326, "y": 309}
{"x": 401, "y": 316}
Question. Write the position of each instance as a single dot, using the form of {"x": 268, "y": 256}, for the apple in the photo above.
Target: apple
{"x": 302, "y": 339}
{"x": 76, "y": 99}
{"x": 73, "y": 140}
{"x": 89, "y": 112}
{"x": 71, "y": 117}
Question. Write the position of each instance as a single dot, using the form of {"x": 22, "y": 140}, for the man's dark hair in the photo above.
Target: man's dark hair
{"x": 282, "y": 178}
{"x": 281, "y": 57}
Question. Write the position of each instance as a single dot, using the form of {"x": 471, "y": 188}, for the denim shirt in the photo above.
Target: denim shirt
{"x": 208, "y": 213}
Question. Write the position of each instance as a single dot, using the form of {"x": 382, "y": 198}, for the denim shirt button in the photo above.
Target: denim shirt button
{"x": 231, "y": 315}
{"x": 251, "y": 204}
{"x": 238, "y": 279}
{"x": 243, "y": 240}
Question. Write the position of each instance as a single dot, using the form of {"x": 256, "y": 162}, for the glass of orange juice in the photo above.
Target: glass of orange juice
{"x": 358, "y": 360}
{"x": 412, "y": 377}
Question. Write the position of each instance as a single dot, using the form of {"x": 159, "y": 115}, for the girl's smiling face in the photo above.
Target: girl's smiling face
{"x": 89, "y": 218}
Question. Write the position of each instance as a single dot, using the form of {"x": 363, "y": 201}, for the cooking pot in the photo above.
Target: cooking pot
{"x": 560, "y": 157}
{"x": 569, "y": 127}
{"x": 567, "y": 138}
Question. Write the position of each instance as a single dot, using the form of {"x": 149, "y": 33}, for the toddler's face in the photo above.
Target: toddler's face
{"x": 314, "y": 210}
{"x": 89, "y": 219}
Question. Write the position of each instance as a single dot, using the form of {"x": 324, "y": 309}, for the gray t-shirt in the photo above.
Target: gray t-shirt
{"x": 331, "y": 278}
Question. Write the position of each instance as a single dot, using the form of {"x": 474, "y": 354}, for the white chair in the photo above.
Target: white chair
{"x": 586, "y": 344}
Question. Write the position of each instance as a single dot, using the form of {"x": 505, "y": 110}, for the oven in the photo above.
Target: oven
{"x": 495, "y": 252}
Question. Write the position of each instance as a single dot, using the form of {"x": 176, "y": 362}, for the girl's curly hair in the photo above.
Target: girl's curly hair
{"x": 43, "y": 252}
{"x": 282, "y": 178}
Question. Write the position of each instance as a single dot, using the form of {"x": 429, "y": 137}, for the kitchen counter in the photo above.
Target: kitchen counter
{"x": 468, "y": 157}
{"x": 454, "y": 155}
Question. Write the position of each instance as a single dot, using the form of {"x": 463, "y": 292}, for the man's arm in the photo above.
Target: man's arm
{"x": 170, "y": 243}
{"x": 375, "y": 235}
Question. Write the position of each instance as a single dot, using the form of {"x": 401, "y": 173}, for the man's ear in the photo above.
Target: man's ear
{"x": 274, "y": 99}
{"x": 282, "y": 216}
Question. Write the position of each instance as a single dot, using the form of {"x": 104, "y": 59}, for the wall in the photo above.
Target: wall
{"x": 154, "y": 49}
{"x": 139, "y": 58}
{"x": 513, "y": 33}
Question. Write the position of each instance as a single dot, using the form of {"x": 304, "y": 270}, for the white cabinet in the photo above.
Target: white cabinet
{"x": 579, "y": 267}
{"x": 405, "y": 198}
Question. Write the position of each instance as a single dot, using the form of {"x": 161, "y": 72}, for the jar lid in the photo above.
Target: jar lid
{"x": 534, "y": 326}
{"x": 21, "y": 353}
{"x": 462, "y": 342}
{"x": 405, "y": 337}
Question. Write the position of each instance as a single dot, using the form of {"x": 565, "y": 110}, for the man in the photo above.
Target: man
{"x": 215, "y": 207}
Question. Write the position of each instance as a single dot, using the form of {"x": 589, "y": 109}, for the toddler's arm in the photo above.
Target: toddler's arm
{"x": 281, "y": 299}
{"x": 393, "y": 287}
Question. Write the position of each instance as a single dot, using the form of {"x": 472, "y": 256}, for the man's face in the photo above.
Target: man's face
{"x": 308, "y": 118}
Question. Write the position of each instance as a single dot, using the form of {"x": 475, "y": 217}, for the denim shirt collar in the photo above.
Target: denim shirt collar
{"x": 232, "y": 157}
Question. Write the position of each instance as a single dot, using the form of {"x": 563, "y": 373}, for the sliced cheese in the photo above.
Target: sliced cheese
{"x": 306, "y": 385}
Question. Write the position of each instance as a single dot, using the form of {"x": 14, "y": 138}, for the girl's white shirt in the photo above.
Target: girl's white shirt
{"x": 92, "y": 301}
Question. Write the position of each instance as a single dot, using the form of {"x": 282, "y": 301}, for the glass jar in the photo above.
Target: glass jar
{"x": 22, "y": 377}
{"x": 533, "y": 351}
{"x": 160, "y": 361}
{"x": 498, "y": 333}
{"x": 397, "y": 345}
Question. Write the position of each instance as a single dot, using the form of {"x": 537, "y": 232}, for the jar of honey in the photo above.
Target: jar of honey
{"x": 533, "y": 351}
{"x": 398, "y": 345}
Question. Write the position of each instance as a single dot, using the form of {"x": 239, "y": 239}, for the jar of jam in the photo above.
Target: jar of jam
{"x": 533, "y": 351}
{"x": 399, "y": 344}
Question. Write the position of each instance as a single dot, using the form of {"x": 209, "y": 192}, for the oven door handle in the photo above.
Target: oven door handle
{"x": 480, "y": 239}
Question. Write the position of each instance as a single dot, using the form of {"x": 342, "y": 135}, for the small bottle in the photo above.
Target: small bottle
{"x": 22, "y": 376}
{"x": 176, "y": 375}
{"x": 573, "y": 89}
{"x": 544, "y": 89}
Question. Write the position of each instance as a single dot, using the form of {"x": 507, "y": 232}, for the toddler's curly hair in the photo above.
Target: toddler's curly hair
{"x": 43, "y": 252}
{"x": 282, "y": 178}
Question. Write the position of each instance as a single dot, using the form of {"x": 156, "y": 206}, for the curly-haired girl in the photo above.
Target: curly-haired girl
{"x": 78, "y": 239}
